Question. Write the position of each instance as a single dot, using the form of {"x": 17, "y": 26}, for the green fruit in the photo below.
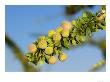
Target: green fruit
{"x": 42, "y": 44}
{"x": 41, "y": 38}
{"x": 65, "y": 33}
{"x": 52, "y": 60}
{"x": 56, "y": 37}
{"x": 51, "y": 33}
{"x": 62, "y": 57}
{"x": 49, "y": 50}
{"x": 59, "y": 29}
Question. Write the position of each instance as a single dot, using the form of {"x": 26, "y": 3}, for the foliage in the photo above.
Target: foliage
{"x": 66, "y": 35}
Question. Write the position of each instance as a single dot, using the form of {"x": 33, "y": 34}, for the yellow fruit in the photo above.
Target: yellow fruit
{"x": 66, "y": 25}
{"x": 56, "y": 37}
{"x": 41, "y": 38}
{"x": 51, "y": 33}
{"x": 101, "y": 15}
{"x": 32, "y": 48}
{"x": 49, "y": 50}
{"x": 59, "y": 29}
{"x": 42, "y": 44}
{"x": 52, "y": 60}
{"x": 62, "y": 57}
{"x": 65, "y": 33}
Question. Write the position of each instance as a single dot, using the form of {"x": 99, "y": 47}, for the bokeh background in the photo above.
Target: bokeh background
{"x": 24, "y": 24}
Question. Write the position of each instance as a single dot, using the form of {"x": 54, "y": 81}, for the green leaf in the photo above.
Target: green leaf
{"x": 74, "y": 43}
{"x": 88, "y": 32}
{"x": 84, "y": 14}
{"x": 102, "y": 27}
{"x": 73, "y": 22}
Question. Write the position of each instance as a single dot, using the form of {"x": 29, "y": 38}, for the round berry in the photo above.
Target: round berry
{"x": 65, "y": 33}
{"x": 49, "y": 50}
{"x": 56, "y": 37}
{"x": 52, "y": 60}
{"x": 42, "y": 44}
{"x": 62, "y": 57}
{"x": 32, "y": 48}
{"x": 66, "y": 25}
{"x": 51, "y": 33}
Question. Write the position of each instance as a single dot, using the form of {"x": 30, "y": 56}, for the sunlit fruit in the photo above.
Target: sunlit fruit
{"x": 56, "y": 37}
{"x": 66, "y": 25}
{"x": 49, "y": 50}
{"x": 32, "y": 48}
{"x": 52, "y": 60}
{"x": 51, "y": 33}
{"x": 65, "y": 33}
{"x": 42, "y": 44}
{"x": 62, "y": 57}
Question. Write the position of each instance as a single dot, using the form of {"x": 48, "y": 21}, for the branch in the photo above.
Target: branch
{"x": 18, "y": 53}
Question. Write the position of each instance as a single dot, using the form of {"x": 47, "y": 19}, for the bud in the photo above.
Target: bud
{"x": 59, "y": 29}
{"x": 56, "y": 37}
{"x": 49, "y": 50}
{"x": 65, "y": 33}
{"x": 52, "y": 60}
{"x": 66, "y": 25}
{"x": 32, "y": 48}
{"x": 42, "y": 44}
{"x": 51, "y": 33}
{"x": 62, "y": 57}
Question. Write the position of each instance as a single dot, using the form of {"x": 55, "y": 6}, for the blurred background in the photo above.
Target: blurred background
{"x": 24, "y": 24}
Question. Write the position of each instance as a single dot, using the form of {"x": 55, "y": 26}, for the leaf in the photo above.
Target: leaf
{"x": 84, "y": 14}
{"x": 102, "y": 27}
{"x": 73, "y": 22}
{"x": 88, "y": 32}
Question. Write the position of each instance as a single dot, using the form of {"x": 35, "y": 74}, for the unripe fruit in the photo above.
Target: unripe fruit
{"x": 56, "y": 37}
{"x": 49, "y": 50}
{"x": 62, "y": 57}
{"x": 42, "y": 44}
{"x": 51, "y": 33}
{"x": 41, "y": 38}
{"x": 101, "y": 15}
{"x": 32, "y": 48}
{"x": 66, "y": 25}
{"x": 52, "y": 60}
{"x": 59, "y": 29}
{"x": 65, "y": 33}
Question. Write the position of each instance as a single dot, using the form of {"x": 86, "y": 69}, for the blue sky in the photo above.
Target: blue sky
{"x": 25, "y": 23}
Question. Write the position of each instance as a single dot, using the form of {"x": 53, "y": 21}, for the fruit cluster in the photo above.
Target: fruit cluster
{"x": 68, "y": 34}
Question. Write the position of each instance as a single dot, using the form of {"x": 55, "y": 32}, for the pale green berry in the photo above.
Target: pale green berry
{"x": 49, "y": 50}
{"x": 41, "y": 38}
{"x": 42, "y": 44}
{"x": 65, "y": 33}
{"x": 52, "y": 60}
{"x": 62, "y": 57}
{"x": 51, "y": 33}
{"x": 59, "y": 29}
{"x": 56, "y": 37}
